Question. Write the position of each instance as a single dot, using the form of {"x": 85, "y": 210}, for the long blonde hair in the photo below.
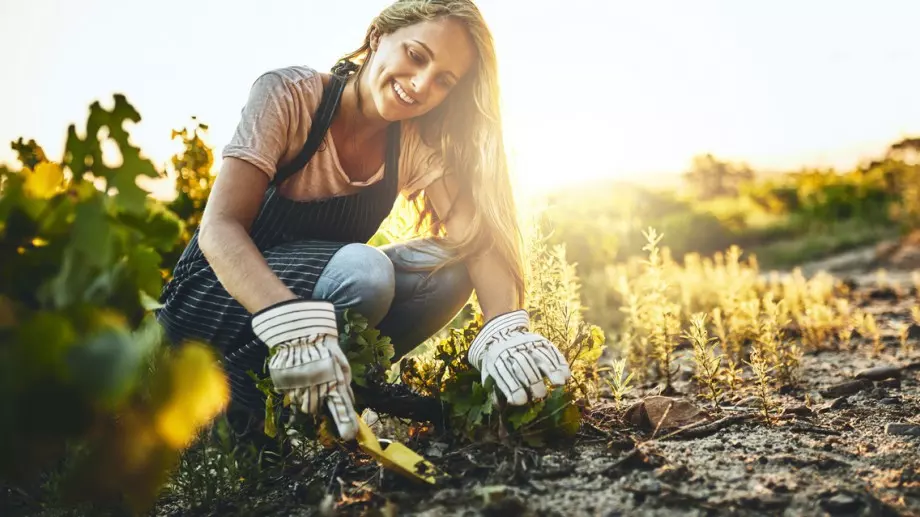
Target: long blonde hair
{"x": 467, "y": 128}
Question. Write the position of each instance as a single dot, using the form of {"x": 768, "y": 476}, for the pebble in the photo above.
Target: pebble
{"x": 890, "y": 401}
{"x": 913, "y": 332}
{"x": 891, "y": 384}
{"x": 798, "y": 410}
{"x": 846, "y": 388}
{"x": 840, "y": 403}
{"x": 840, "y": 504}
{"x": 878, "y": 393}
{"x": 902, "y": 429}
{"x": 880, "y": 373}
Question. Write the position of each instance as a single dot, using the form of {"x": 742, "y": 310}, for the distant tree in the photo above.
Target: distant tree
{"x": 711, "y": 178}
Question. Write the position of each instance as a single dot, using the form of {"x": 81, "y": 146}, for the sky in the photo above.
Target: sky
{"x": 591, "y": 89}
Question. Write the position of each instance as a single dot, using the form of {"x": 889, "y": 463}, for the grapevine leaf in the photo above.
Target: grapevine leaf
{"x": 44, "y": 181}
{"x": 92, "y": 233}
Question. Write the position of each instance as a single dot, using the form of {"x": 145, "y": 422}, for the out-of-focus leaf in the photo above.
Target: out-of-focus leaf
{"x": 44, "y": 182}
{"x": 198, "y": 392}
{"x": 106, "y": 365}
{"x": 92, "y": 232}
{"x": 41, "y": 344}
{"x": 144, "y": 264}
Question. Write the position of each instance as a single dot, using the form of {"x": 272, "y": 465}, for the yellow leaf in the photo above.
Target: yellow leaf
{"x": 43, "y": 182}
{"x": 199, "y": 392}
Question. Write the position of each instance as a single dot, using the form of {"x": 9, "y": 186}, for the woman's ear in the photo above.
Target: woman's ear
{"x": 374, "y": 39}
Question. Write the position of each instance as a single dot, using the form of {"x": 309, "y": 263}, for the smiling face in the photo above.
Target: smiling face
{"x": 413, "y": 69}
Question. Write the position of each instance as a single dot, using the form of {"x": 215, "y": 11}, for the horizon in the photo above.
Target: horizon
{"x": 780, "y": 86}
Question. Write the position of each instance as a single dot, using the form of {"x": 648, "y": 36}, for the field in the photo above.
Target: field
{"x": 705, "y": 381}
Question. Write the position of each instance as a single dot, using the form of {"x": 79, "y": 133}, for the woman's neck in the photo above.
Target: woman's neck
{"x": 364, "y": 123}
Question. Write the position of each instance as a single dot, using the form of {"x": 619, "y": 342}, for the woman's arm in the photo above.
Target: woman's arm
{"x": 225, "y": 242}
{"x": 493, "y": 283}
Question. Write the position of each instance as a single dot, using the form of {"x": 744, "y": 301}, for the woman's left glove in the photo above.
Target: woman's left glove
{"x": 517, "y": 359}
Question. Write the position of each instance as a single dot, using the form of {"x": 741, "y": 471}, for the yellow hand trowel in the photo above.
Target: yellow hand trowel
{"x": 395, "y": 456}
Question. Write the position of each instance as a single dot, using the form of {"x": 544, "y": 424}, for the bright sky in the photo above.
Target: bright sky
{"x": 599, "y": 88}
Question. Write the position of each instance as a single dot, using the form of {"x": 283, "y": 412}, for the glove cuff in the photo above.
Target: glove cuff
{"x": 293, "y": 319}
{"x": 491, "y": 331}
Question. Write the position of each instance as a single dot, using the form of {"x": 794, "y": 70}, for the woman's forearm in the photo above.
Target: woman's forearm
{"x": 493, "y": 283}
{"x": 240, "y": 267}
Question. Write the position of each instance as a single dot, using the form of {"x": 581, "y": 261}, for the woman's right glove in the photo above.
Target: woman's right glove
{"x": 308, "y": 365}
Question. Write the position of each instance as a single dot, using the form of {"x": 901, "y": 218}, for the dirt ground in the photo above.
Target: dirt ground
{"x": 842, "y": 446}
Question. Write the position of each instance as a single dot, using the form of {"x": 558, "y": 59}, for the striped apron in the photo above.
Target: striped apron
{"x": 297, "y": 239}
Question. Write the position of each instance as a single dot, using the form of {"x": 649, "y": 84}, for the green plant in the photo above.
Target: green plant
{"x": 708, "y": 363}
{"x": 762, "y": 380}
{"x": 80, "y": 251}
{"x": 618, "y": 384}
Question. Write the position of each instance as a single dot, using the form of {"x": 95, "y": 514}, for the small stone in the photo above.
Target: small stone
{"x": 840, "y": 504}
{"x": 840, "y": 403}
{"x": 913, "y": 332}
{"x": 648, "y": 486}
{"x": 891, "y": 384}
{"x": 890, "y": 401}
{"x": 762, "y": 460}
{"x": 880, "y": 373}
{"x": 902, "y": 429}
{"x": 436, "y": 449}
{"x": 878, "y": 393}
{"x": 846, "y": 388}
{"x": 798, "y": 410}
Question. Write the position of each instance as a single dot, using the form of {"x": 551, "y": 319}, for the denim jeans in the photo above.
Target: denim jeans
{"x": 408, "y": 306}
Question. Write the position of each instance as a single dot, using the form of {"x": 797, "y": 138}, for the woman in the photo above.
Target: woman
{"x": 281, "y": 253}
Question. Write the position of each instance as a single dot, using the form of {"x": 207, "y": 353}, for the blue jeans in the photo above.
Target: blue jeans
{"x": 408, "y": 306}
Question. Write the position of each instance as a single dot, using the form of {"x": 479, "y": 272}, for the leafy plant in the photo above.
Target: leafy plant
{"x": 708, "y": 362}
{"x": 83, "y": 378}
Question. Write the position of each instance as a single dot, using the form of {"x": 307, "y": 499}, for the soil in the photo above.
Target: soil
{"x": 838, "y": 444}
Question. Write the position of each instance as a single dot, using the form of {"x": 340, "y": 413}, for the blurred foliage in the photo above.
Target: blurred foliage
{"x": 194, "y": 180}
{"x": 786, "y": 219}
{"x": 91, "y": 401}
{"x": 711, "y": 178}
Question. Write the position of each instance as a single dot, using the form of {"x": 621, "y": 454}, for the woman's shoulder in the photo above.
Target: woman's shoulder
{"x": 300, "y": 78}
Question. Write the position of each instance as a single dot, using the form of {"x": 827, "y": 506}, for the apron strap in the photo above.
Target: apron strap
{"x": 321, "y": 122}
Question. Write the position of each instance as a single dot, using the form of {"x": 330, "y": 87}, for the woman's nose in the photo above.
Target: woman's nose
{"x": 421, "y": 83}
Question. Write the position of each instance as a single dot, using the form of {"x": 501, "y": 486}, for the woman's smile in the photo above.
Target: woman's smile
{"x": 402, "y": 96}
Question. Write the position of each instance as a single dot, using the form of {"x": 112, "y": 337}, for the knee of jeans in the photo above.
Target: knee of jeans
{"x": 454, "y": 279}
{"x": 366, "y": 280}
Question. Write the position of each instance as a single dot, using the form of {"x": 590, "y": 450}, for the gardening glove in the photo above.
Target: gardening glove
{"x": 517, "y": 359}
{"x": 308, "y": 365}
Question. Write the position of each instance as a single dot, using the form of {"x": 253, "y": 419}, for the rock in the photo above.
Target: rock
{"x": 842, "y": 402}
{"x": 840, "y": 504}
{"x": 891, "y": 384}
{"x": 890, "y": 401}
{"x": 798, "y": 411}
{"x": 436, "y": 450}
{"x": 878, "y": 393}
{"x": 880, "y": 373}
{"x": 663, "y": 413}
{"x": 647, "y": 486}
{"x": 913, "y": 332}
{"x": 902, "y": 429}
{"x": 885, "y": 293}
{"x": 846, "y": 388}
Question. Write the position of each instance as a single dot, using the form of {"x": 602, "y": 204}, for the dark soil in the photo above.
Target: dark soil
{"x": 833, "y": 447}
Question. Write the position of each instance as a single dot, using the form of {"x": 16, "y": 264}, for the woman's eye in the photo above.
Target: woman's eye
{"x": 415, "y": 56}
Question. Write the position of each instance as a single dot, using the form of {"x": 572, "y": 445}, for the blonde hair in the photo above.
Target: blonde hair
{"x": 467, "y": 129}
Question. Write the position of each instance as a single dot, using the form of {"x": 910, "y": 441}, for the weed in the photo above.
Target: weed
{"x": 708, "y": 363}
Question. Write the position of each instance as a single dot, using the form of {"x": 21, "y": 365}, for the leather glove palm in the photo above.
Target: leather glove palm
{"x": 308, "y": 365}
{"x": 518, "y": 360}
